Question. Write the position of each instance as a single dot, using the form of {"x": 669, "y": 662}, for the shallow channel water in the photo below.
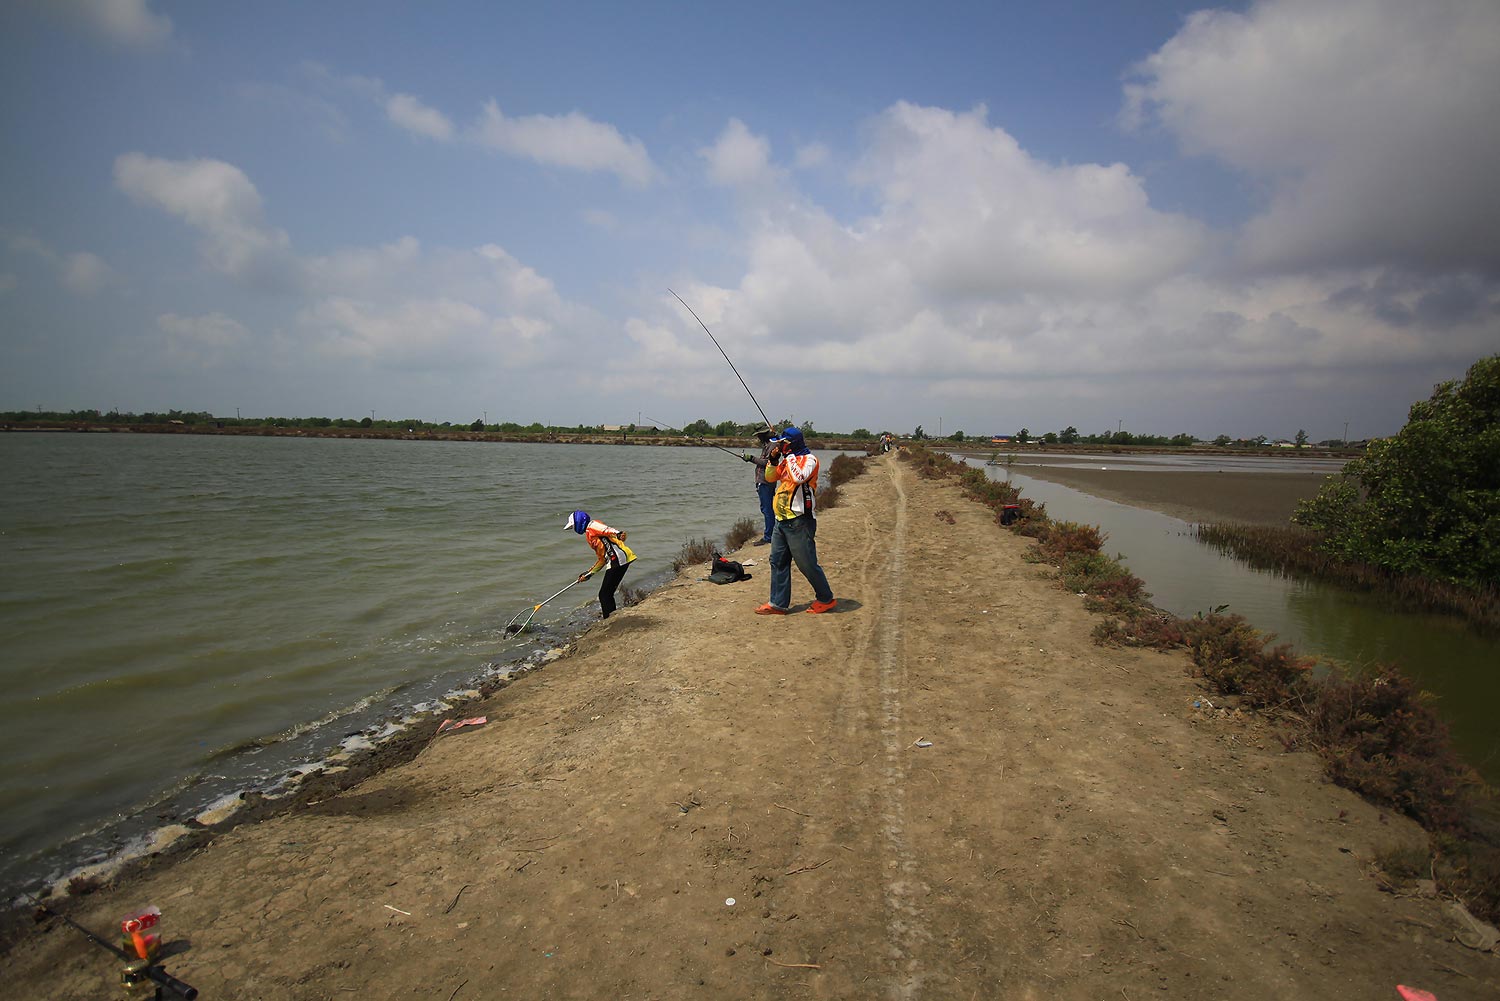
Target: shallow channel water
{"x": 1184, "y": 576}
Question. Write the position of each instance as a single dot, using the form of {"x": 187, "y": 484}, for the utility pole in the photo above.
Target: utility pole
{"x": 1346, "y": 434}
{"x": 486, "y": 417}
{"x": 1120, "y": 426}
{"x": 236, "y": 413}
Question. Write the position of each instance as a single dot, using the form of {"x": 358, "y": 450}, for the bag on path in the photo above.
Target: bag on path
{"x": 722, "y": 571}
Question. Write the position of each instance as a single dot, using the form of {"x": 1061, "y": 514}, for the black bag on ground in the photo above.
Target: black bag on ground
{"x": 722, "y": 571}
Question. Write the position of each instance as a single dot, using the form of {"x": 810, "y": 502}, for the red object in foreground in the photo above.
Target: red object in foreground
{"x": 135, "y": 927}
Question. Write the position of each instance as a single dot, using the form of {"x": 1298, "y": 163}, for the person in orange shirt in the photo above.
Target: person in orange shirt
{"x": 794, "y": 470}
{"x": 609, "y": 546}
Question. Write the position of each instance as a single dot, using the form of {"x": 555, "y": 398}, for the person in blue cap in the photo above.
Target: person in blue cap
{"x": 794, "y": 470}
{"x": 765, "y": 491}
{"x": 609, "y": 548}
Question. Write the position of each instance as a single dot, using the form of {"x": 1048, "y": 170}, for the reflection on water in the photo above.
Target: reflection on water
{"x": 1186, "y": 577}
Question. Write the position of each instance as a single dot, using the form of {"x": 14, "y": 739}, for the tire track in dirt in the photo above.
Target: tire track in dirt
{"x": 901, "y": 886}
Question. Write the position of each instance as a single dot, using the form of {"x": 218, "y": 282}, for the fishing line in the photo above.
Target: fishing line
{"x": 736, "y": 371}
{"x": 737, "y": 455}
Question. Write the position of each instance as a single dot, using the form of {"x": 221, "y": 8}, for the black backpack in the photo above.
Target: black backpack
{"x": 722, "y": 571}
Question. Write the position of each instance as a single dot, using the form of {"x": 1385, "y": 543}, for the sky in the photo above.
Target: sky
{"x": 1248, "y": 219}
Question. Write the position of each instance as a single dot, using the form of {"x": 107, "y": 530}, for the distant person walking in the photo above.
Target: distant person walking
{"x": 794, "y": 538}
{"x": 609, "y": 546}
{"x": 766, "y": 491}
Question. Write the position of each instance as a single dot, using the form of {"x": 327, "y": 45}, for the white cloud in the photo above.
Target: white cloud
{"x": 985, "y": 278}
{"x": 203, "y": 341}
{"x": 397, "y": 306}
{"x": 414, "y": 116}
{"x": 218, "y": 200}
{"x": 572, "y": 140}
{"x": 966, "y": 211}
{"x": 86, "y": 274}
{"x": 82, "y": 273}
{"x": 1373, "y": 122}
{"x": 738, "y": 157}
{"x": 405, "y": 308}
{"x": 813, "y": 155}
{"x": 600, "y": 219}
{"x": 119, "y": 22}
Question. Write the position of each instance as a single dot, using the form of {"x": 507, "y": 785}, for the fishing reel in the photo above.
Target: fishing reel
{"x": 140, "y": 951}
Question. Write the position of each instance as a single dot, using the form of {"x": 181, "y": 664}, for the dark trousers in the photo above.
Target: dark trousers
{"x": 612, "y": 578}
{"x": 767, "y": 492}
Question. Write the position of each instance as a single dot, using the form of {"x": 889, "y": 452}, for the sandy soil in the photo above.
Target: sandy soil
{"x": 943, "y": 790}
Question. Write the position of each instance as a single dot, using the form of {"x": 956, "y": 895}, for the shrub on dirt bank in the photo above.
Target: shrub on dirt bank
{"x": 841, "y": 470}
{"x": 1378, "y": 735}
{"x": 1426, "y": 501}
{"x": 740, "y": 533}
{"x": 693, "y": 552}
{"x": 844, "y": 468}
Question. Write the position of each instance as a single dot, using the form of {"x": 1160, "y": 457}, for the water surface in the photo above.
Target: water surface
{"x": 187, "y": 615}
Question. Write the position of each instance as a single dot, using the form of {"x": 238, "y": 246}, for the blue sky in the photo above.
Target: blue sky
{"x": 1248, "y": 219}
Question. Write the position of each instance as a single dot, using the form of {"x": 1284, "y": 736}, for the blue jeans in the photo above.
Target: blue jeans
{"x": 767, "y": 491}
{"x": 796, "y": 540}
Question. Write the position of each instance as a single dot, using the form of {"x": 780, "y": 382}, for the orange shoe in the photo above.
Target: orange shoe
{"x": 770, "y": 609}
{"x": 819, "y": 607}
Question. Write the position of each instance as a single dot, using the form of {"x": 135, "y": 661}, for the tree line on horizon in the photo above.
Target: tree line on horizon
{"x": 700, "y": 428}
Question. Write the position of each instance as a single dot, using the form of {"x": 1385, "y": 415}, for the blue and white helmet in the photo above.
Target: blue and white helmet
{"x": 577, "y": 521}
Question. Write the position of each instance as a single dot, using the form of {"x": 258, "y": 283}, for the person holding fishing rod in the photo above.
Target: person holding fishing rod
{"x": 794, "y": 539}
{"x": 609, "y": 546}
{"x": 766, "y": 491}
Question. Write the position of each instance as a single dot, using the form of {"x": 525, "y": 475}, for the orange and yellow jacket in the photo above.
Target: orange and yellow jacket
{"x": 796, "y": 479}
{"x": 607, "y": 545}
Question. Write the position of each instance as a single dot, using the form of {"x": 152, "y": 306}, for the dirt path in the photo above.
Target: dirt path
{"x": 943, "y": 790}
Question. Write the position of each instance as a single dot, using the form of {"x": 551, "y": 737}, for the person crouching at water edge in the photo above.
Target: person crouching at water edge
{"x": 794, "y": 470}
{"x": 609, "y": 548}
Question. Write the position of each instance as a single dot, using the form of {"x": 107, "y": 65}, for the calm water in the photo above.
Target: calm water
{"x": 1185, "y": 577}
{"x": 184, "y": 616}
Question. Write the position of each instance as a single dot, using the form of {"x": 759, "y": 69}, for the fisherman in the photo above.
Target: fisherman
{"x": 609, "y": 546}
{"x": 794, "y": 537}
{"x": 765, "y": 490}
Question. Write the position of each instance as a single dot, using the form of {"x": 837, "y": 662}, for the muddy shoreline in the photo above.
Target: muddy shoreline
{"x": 1255, "y": 498}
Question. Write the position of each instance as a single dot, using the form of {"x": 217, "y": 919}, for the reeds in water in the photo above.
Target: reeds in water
{"x": 1297, "y": 552}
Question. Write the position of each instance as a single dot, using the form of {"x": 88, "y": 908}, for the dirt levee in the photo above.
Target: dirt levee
{"x": 942, "y": 790}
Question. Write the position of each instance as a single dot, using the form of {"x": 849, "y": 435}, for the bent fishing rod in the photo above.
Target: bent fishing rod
{"x": 694, "y": 437}
{"x": 736, "y": 371}
{"x": 137, "y": 969}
